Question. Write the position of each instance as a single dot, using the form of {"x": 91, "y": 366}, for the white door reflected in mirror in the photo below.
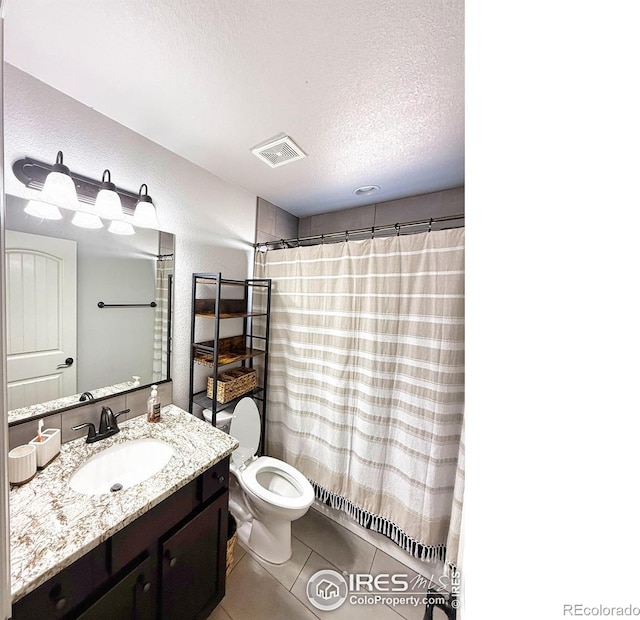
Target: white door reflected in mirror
{"x": 41, "y": 318}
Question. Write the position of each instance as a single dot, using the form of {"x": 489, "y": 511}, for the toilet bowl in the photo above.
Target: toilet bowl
{"x": 265, "y": 494}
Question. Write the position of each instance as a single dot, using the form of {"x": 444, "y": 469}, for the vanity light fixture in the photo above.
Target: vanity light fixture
{"x": 87, "y": 193}
{"x": 43, "y": 210}
{"x": 59, "y": 188}
{"x": 108, "y": 205}
{"x": 145, "y": 213}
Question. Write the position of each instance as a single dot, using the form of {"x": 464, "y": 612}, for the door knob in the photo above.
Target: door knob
{"x": 68, "y": 362}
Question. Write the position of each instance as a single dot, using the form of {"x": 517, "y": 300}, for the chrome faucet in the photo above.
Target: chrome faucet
{"x": 108, "y": 425}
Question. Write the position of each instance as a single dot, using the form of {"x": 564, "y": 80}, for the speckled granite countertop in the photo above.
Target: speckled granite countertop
{"x": 52, "y": 525}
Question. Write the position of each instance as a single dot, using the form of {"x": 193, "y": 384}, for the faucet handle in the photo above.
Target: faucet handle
{"x": 115, "y": 415}
{"x": 91, "y": 435}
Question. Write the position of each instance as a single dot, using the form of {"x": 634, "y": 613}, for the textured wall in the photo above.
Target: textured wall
{"x": 214, "y": 221}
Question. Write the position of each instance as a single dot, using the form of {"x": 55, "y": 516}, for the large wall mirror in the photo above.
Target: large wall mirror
{"x": 87, "y": 311}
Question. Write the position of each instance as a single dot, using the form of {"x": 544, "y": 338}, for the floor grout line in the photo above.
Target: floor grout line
{"x": 325, "y": 525}
{"x": 303, "y": 565}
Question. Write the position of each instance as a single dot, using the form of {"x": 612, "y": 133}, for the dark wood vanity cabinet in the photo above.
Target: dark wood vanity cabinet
{"x": 169, "y": 563}
{"x": 193, "y": 561}
{"x": 58, "y": 596}
{"x": 132, "y": 596}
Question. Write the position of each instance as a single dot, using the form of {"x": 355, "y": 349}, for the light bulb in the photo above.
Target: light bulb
{"x": 108, "y": 204}
{"x": 43, "y": 210}
{"x": 145, "y": 213}
{"x": 118, "y": 227}
{"x": 59, "y": 188}
{"x": 86, "y": 220}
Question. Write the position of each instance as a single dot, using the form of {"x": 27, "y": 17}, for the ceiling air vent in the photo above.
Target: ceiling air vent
{"x": 279, "y": 152}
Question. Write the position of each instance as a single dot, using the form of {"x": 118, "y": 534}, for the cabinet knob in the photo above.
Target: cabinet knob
{"x": 220, "y": 479}
{"x": 57, "y": 599}
{"x": 146, "y": 586}
{"x": 172, "y": 560}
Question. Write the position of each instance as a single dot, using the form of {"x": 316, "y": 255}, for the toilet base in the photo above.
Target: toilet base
{"x": 271, "y": 541}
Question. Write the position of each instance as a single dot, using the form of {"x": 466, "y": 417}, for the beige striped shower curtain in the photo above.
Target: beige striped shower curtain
{"x": 366, "y": 377}
{"x": 164, "y": 267}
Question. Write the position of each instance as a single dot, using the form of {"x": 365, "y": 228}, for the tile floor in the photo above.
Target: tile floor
{"x": 257, "y": 589}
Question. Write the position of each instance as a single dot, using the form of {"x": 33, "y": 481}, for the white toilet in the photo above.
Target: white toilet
{"x": 265, "y": 494}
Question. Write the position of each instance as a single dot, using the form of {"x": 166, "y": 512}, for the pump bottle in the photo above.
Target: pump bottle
{"x": 153, "y": 405}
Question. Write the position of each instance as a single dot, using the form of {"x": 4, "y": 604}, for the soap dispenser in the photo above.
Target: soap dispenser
{"x": 153, "y": 405}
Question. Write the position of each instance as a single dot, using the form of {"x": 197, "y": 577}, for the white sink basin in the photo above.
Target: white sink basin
{"x": 121, "y": 466}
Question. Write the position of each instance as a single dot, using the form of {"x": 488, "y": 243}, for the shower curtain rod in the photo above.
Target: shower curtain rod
{"x": 287, "y": 243}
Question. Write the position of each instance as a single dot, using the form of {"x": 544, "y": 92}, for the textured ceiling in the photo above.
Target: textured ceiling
{"x": 372, "y": 91}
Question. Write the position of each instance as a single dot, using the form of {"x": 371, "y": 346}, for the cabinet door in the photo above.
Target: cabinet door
{"x": 58, "y": 596}
{"x": 214, "y": 480}
{"x": 193, "y": 564}
{"x": 131, "y": 597}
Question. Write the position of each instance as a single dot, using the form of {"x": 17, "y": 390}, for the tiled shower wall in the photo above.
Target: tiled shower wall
{"x": 274, "y": 223}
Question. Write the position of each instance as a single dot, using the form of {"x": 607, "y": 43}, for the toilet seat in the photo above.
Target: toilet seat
{"x": 245, "y": 427}
{"x": 253, "y": 473}
{"x": 282, "y": 474}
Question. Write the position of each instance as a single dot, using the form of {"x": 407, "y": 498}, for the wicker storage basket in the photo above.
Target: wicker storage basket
{"x": 233, "y": 383}
{"x": 231, "y": 543}
{"x": 229, "y": 350}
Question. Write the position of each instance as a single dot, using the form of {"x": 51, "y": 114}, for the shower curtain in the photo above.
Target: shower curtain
{"x": 366, "y": 378}
{"x": 164, "y": 267}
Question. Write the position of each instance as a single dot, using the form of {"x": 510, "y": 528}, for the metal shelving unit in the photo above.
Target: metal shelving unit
{"x": 240, "y": 302}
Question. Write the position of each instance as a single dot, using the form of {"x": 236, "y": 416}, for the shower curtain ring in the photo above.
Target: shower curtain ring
{"x": 373, "y": 228}
{"x": 430, "y": 222}
{"x": 346, "y": 232}
{"x": 397, "y": 227}
{"x": 322, "y": 238}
